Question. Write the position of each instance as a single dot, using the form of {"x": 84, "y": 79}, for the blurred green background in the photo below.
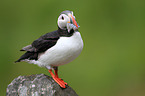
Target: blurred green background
{"x": 112, "y": 62}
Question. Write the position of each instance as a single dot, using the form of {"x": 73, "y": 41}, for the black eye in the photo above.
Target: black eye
{"x": 62, "y": 18}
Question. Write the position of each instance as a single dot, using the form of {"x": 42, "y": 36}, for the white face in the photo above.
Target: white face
{"x": 62, "y": 21}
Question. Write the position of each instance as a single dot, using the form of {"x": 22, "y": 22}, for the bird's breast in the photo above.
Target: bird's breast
{"x": 64, "y": 51}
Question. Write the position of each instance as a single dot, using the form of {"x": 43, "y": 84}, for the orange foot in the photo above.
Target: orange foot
{"x": 60, "y": 82}
{"x": 57, "y": 79}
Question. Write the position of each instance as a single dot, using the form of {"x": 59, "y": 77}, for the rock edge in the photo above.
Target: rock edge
{"x": 37, "y": 85}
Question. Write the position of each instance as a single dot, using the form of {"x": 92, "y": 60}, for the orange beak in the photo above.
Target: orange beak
{"x": 73, "y": 21}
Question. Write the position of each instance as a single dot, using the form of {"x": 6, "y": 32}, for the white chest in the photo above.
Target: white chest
{"x": 65, "y": 50}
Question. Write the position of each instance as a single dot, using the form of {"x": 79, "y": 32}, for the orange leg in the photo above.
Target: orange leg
{"x": 56, "y": 78}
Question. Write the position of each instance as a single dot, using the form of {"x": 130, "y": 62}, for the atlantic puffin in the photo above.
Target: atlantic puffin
{"x": 56, "y": 48}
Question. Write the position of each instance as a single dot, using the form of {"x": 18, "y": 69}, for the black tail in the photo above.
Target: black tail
{"x": 28, "y": 55}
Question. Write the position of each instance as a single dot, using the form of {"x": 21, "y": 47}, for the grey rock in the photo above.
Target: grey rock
{"x": 37, "y": 85}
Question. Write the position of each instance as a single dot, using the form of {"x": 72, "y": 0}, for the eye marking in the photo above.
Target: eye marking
{"x": 62, "y": 18}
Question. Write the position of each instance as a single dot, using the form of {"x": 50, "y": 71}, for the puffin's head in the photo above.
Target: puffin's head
{"x": 67, "y": 20}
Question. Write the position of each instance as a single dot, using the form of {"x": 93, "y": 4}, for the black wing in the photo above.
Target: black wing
{"x": 40, "y": 45}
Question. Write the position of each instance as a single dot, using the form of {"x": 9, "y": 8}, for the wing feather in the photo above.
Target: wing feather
{"x": 40, "y": 45}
